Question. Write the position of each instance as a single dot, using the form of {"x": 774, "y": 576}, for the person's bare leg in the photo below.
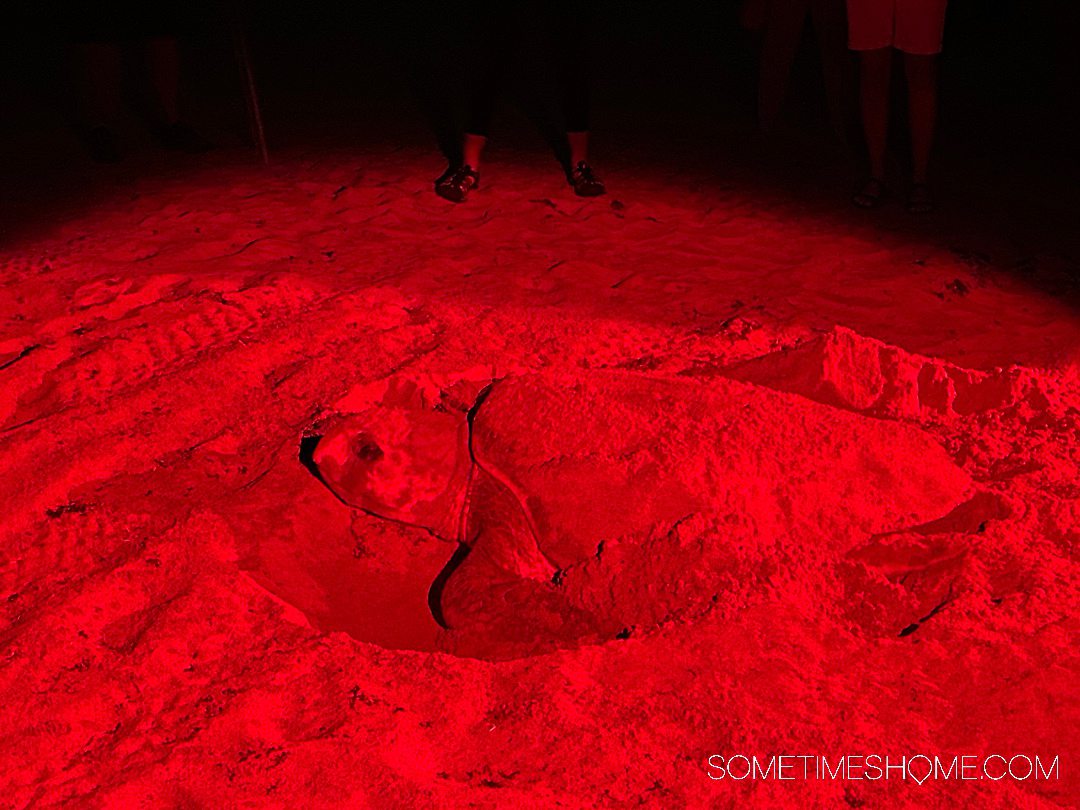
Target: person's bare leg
{"x": 582, "y": 177}
{"x": 97, "y": 67}
{"x": 163, "y": 65}
{"x": 472, "y": 150}
{"x": 875, "y": 69}
{"x": 163, "y": 112}
{"x": 579, "y": 147}
{"x": 784, "y": 22}
{"x": 922, "y": 110}
{"x": 456, "y": 183}
{"x": 484, "y": 80}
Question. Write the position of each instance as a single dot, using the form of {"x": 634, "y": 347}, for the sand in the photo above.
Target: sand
{"x": 191, "y": 618}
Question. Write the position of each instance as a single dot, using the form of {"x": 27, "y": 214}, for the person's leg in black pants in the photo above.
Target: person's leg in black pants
{"x": 571, "y": 27}
{"x": 496, "y": 38}
{"x": 492, "y": 24}
{"x": 496, "y": 26}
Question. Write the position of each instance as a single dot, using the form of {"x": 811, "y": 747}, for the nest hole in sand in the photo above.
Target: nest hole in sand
{"x": 590, "y": 509}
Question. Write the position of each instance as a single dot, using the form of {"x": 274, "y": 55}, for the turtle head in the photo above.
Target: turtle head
{"x": 403, "y": 460}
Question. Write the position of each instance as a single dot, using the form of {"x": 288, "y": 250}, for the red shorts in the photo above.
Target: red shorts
{"x": 911, "y": 26}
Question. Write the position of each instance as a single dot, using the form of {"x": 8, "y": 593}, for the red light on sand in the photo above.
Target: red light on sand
{"x": 750, "y": 481}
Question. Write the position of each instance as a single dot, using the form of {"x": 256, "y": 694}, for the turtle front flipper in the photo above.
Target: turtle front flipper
{"x": 497, "y": 596}
{"x": 492, "y": 613}
{"x": 496, "y": 521}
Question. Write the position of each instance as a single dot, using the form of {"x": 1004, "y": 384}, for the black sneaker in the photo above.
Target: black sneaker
{"x": 585, "y": 182}
{"x": 456, "y": 184}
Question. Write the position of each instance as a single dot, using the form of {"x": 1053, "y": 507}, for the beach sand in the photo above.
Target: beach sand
{"x": 191, "y": 619}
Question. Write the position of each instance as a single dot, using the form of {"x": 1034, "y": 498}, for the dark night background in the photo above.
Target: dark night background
{"x": 674, "y": 83}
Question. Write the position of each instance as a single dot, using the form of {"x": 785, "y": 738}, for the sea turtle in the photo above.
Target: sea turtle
{"x": 589, "y": 502}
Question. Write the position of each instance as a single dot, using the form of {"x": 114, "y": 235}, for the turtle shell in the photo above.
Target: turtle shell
{"x": 592, "y": 501}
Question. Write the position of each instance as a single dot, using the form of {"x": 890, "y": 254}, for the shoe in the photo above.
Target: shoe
{"x": 456, "y": 184}
{"x": 101, "y": 144}
{"x": 179, "y": 137}
{"x": 585, "y": 182}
